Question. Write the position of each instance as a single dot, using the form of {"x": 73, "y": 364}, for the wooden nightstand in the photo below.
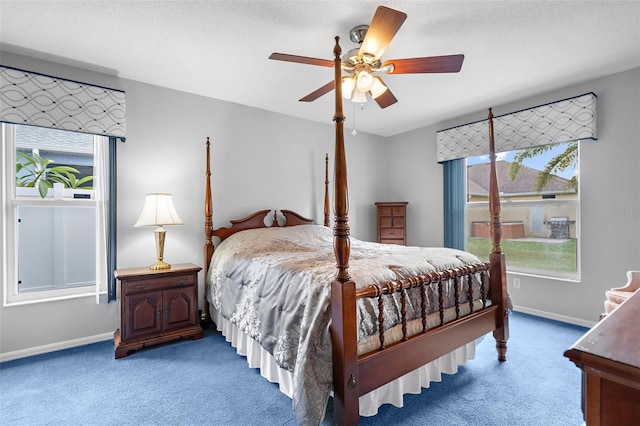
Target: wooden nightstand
{"x": 392, "y": 222}
{"x": 157, "y": 307}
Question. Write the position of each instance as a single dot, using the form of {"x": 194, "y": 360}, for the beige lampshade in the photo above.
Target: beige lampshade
{"x": 158, "y": 210}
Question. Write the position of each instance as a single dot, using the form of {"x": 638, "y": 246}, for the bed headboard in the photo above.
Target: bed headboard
{"x": 259, "y": 219}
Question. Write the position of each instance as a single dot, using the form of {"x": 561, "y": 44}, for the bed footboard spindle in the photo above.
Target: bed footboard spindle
{"x": 381, "y": 319}
{"x": 441, "y": 278}
{"x": 483, "y": 289}
{"x": 471, "y": 270}
{"x": 457, "y": 282}
{"x": 423, "y": 301}
{"x": 403, "y": 311}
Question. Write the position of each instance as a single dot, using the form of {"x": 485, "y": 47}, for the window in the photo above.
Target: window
{"x": 54, "y": 235}
{"x": 540, "y": 206}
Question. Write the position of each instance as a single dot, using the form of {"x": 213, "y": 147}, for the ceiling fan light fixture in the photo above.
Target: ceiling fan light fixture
{"x": 348, "y": 85}
{"x": 364, "y": 81}
{"x": 359, "y": 96}
{"x": 378, "y": 88}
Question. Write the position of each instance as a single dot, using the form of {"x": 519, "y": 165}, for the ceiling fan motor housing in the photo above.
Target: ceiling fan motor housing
{"x": 357, "y": 33}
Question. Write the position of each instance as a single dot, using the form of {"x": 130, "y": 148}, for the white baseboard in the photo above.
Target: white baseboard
{"x": 23, "y": 353}
{"x": 557, "y": 317}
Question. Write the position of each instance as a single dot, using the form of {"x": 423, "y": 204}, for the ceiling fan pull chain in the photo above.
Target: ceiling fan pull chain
{"x": 353, "y": 132}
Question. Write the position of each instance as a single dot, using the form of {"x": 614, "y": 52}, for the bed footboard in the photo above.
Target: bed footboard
{"x": 433, "y": 334}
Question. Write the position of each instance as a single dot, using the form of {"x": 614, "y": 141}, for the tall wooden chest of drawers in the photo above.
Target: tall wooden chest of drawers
{"x": 392, "y": 222}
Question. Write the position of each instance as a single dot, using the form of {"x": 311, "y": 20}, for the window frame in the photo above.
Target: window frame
{"x": 546, "y": 274}
{"x": 8, "y": 229}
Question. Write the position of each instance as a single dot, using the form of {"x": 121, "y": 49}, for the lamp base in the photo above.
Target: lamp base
{"x": 160, "y": 263}
{"x": 159, "y": 266}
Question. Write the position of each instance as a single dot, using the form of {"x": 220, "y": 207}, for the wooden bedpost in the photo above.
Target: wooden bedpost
{"x": 208, "y": 232}
{"x": 343, "y": 290}
{"x": 327, "y": 221}
{"x": 496, "y": 258}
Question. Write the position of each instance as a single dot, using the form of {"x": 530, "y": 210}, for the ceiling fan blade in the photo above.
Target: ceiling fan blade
{"x": 319, "y": 92}
{"x": 431, "y": 64}
{"x": 301, "y": 59}
{"x": 386, "y": 99}
{"x": 385, "y": 24}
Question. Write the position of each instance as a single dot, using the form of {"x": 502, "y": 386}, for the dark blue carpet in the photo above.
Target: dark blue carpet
{"x": 204, "y": 382}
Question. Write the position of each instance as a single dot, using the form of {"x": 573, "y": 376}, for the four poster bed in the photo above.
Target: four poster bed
{"x": 387, "y": 322}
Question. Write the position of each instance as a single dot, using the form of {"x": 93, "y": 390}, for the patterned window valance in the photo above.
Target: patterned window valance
{"x": 562, "y": 121}
{"x": 45, "y": 101}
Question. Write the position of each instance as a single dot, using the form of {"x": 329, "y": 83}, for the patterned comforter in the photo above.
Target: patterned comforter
{"x": 274, "y": 284}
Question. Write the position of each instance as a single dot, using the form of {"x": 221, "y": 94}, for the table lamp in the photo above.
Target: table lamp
{"x": 158, "y": 211}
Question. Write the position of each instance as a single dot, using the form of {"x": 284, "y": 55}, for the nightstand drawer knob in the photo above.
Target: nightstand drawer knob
{"x": 183, "y": 283}
{"x": 141, "y": 286}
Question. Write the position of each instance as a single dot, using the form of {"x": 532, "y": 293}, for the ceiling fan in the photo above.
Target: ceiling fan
{"x": 360, "y": 64}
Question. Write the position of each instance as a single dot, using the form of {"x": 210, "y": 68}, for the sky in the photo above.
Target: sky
{"x": 536, "y": 163}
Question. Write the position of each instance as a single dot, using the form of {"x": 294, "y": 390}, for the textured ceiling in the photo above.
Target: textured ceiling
{"x": 220, "y": 49}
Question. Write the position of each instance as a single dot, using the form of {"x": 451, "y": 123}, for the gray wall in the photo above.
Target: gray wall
{"x": 266, "y": 160}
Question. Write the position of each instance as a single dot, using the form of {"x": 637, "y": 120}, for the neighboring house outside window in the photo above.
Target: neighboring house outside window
{"x": 540, "y": 226}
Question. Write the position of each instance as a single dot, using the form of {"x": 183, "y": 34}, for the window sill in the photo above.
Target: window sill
{"x": 51, "y": 296}
{"x": 545, "y": 277}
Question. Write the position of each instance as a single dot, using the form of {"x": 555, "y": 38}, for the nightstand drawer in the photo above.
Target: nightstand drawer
{"x": 386, "y": 233}
{"x": 153, "y": 284}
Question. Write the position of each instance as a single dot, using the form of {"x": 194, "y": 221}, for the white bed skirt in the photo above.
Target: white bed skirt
{"x": 391, "y": 393}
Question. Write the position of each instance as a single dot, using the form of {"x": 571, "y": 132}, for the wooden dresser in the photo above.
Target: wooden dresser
{"x": 157, "y": 306}
{"x": 392, "y": 222}
{"x": 609, "y": 356}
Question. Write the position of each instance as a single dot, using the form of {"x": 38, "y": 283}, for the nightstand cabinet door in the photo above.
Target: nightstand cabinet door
{"x": 392, "y": 222}
{"x": 180, "y": 308}
{"x": 142, "y": 314}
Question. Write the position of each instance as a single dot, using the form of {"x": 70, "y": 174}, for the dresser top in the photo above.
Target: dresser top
{"x": 612, "y": 345}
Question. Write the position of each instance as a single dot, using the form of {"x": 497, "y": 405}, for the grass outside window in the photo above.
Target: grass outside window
{"x": 531, "y": 256}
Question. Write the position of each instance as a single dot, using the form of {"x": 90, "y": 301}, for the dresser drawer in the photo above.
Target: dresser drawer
{"x": 153, "y": 284}
{"x": 399, "y": 242}
{"x": 386, "y": 233}
{"x": 384, "y": 211}
{"x": 392, "y": 221}
{"x": 398, "y": 211}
